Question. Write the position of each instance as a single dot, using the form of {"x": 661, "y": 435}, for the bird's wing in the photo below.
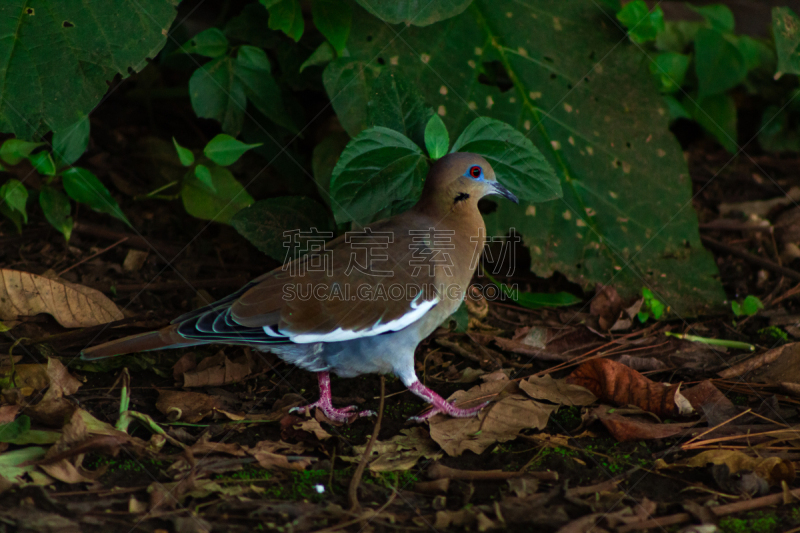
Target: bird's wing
{"x": 360, "y": 285}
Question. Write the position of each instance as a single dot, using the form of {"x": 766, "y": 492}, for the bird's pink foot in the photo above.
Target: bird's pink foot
{"x": 440, "y": 405}
{"x": 324, "y": 404}
{"x": 345, "y": 414}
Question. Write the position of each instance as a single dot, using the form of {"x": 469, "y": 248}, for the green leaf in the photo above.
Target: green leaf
{"x": 414, "y": 12}
{"x": 460, "y": 317}
{"x": 203, "y": 175}
{"x": 210, "y": 43}
{"x": 19, "y": 432}
{"x": 287, "y": 16}
{"x": 643, "y": 23}
{"x": 437, "y": 140}
{"x": 326, "y": 155}
{"x": 349, "y": 85}
{"x": 265, "y": 222}
{"x": 252, "y": 72}
{"x": 670, "y": 68}
{"x": 717, "y": 115}
{"x": 777, "y": 133}
{"x": 224, "y": 150}
{"x": 719, "y": 65}
{"x": 322, "y": 55}
{"x": 398, "y": 105}
{"x": 626, "y": 211}
{"x": 14, "y": 194}
{"x": 378, "y": 167}
{"x": 786, "y": 31}
{"x": 43, "y": 163}
{"x": 678, "y": 35}
{"x": 518, "y": 164}
{"x": 216, "y": 93}
{"x": 219, "y": 206}
{"x": 754, "y": 52}
{"x": 184, "y": 154}
{"x": 57, "y": 56}
{"x": 532, "y": 300}
{"x": 751, "y": 305}
{"x": 84, "y": 187}
{"x": 13, "y": 151}
{"x": 736, "y": 307}
{"x": 676, "y": 109}
{"x": 14, "y": 216}
{"x": 718, "y": 16}
{"x": 56, "y": 208}
{"x": 70, "y": 143}
{"x": 333, "y": 18}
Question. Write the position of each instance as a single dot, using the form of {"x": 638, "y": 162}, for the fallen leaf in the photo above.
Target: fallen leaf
{"x": 709, "y": 400}
{"x": 772, "y": 469}
{"x": 626, "y": 429}
{"x": 186, "y": 406}
{"x": 54, "y": 409}
{"x": 606, "y": 306}
{"x": 617, "y": 384}
{"x": 8, "y": 413}
{"x": 499, "y": 421}
{"x": 72, "y": 305}
{"x": 216, "y": 370}
{"x": 557, "y": 391}
{"x": 400, "y": 453}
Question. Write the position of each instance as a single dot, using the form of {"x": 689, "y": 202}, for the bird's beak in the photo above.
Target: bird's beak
{"x": 502, "y": 191}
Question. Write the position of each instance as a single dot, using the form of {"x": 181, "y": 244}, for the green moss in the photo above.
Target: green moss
{"x": 773, "y": 333}
{"x": 249, "y": 472}
{"x": 756, "y": 522}
{"x": 398, "y": 480}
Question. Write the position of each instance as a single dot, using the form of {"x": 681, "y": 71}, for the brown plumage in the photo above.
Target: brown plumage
{"x": 297, "y": 313}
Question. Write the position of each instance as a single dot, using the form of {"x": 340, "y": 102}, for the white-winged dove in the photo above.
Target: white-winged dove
{"x": 353, "y": 316}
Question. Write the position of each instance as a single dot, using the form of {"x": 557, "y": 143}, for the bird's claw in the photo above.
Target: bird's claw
{"x": 343, "y": 415}
{"x": 448, "y": 409}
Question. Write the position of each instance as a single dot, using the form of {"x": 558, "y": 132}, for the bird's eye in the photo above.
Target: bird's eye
{"x": 475, "y": 172}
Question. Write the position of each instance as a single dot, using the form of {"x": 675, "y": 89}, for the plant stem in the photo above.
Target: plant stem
{"x": 713, "y": 342}
{"x": 352, "y": 491}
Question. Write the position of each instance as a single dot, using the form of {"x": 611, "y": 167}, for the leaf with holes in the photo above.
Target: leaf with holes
{"x": 786, "y": 28}
{"x": 266, "y": 222}
{"x": 58, "y": 57}
{"x": 626, "y": 216}
{"x": 378, "y": 168}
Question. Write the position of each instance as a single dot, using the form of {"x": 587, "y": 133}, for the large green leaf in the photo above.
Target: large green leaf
{"x": 786, "y": 29}
{"x": 57, "y": 56}
{"x": 266, "y": 223}
{"x": 414, "y": 12}
{"x": 626, "y": 216}
{"x": 380, "y": 166}
{"x": 719, "y": 64}
{"x": 83, "y": 186}
{"x": 396, "y": 104}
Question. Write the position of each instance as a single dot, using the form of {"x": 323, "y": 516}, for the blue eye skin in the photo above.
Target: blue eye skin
{"x": 475, "y": 172}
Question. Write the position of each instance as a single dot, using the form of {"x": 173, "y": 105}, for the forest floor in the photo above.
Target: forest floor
{"x": 201, "y": 439}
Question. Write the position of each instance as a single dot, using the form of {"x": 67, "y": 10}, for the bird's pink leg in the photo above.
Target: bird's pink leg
{"x": 440, "y": 405}
{"x": 326, "y": 405}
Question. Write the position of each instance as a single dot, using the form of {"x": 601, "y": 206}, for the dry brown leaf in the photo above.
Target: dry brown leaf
{"x": 216, "y": 370}
{"x": 617, "y": 384}
{"x": 772, "y": 469}
{"x": 72, "y": 305}
{"x": 8, "y": 413}
{"x": 557, "y": 391}
{"x": 401, "y": 452}
{"x": 54, "y": 409}
{"x": 625, "y": 429}
{"x": 500, "y": 421}
{"x": 186, "y": 406}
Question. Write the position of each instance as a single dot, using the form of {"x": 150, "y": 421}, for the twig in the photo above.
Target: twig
{"x": 747, "y": 256}
{"x": 134, "y": 241}
{"x": 439, "y": 471}
{"x": 712, "y": 342}
{"x": 104, "y": 250}
{"x": 722, "y": 510}
{"x": 352, "y": 491}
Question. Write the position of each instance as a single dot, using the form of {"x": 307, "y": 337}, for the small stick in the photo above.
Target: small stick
{"x": 747, "y": 256}
{"x": 712, "y": 342}
{"x": 439, "y": 471}
{"x": 104, "y": 250}
{"x": 352, "y": 491}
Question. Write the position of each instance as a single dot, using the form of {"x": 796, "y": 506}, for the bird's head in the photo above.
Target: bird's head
{"x": 462, "y": 179}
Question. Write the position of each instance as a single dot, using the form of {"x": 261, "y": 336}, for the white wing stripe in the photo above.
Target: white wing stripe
{"x": 417, "y": 311}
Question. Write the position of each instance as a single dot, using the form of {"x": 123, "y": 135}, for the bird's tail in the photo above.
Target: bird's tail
{"x": 164, "y": 338}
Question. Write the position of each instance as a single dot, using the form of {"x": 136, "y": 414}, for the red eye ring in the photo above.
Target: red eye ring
{"x": 475, "y": 171}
